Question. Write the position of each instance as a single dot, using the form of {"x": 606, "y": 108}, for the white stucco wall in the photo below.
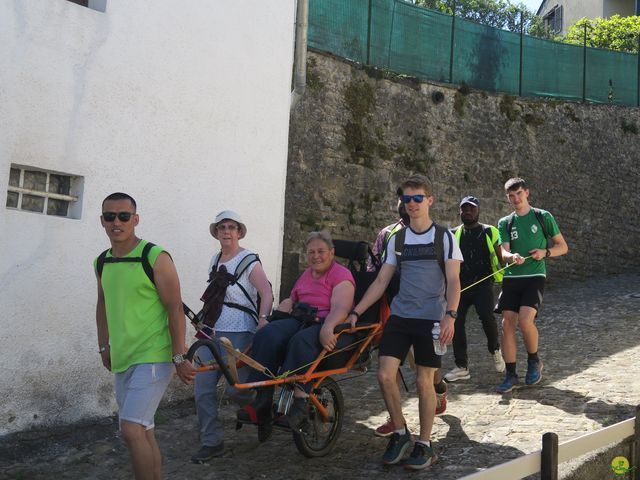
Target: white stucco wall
{"x": 184, "y": 105}
{"x": 574, "y": 10}
{"x": 623, "y": 8}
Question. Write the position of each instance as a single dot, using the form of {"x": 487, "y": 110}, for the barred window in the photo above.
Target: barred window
{"x": 553, "y": 20}
{"x": 52, "y": 193}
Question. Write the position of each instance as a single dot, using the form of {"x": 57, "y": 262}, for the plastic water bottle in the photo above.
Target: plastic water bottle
{"x": 435, "y": 333}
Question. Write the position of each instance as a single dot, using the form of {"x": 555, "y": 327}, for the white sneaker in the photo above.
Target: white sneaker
{"x": 457, "y": 373}
{"x": 498, "y": 361}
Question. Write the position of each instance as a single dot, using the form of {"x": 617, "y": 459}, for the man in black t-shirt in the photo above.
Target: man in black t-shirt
{"x": 479, "y": 244}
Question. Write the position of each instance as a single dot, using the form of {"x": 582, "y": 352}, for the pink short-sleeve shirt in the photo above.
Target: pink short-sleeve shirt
{"x": 317, "y": 291}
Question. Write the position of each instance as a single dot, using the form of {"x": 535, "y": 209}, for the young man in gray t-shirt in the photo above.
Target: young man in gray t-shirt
{"x": 425, "y": 298}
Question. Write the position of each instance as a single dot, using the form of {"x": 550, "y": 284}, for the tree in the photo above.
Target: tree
{"x": 493, "y": 13}
{"x": 615, "y": 33}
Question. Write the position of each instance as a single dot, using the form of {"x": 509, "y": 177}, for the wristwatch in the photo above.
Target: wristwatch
{"x": 263, "y": 316}
{"x": 103, "y": 349}
{"x": 548, "y": 253}
{"x": 178, "y": 358}
{"x": 452, "y": 313}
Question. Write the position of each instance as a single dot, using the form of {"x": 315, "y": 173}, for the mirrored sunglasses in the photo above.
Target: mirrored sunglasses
{"x": 415, "y": 198}
{"x": 111, "y": 216}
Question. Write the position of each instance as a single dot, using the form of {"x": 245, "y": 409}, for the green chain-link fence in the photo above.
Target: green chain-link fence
{"x": 404, "y": 38}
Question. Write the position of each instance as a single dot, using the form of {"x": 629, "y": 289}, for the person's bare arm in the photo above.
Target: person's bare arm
{"x": 452, "y": 269}
{"x": 509, "y": 257}
{"x": 102, "y": 327}
{"x": 258, "y": 279}
{"x": 168, "y": 286}
{"x": 341, "y": 303}
{"x": 559, "y": 248}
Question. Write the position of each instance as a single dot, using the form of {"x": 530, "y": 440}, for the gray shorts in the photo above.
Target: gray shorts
{"x": 139, "y": 390}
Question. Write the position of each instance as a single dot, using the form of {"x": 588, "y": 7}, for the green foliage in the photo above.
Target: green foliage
{"x": 629, "y": 127}
{"x": 459, "y": 101}
{"x": 494, "y": 13}
{"x": 570, "y": 112}
{"x": 615, "y": 33}
{"x": 359, "y": 99}
{"x": 314, "y": 82}
{"x": 532, "y": 119}
{"x": 363, "y": 146}
{"x": 508, "y": 107}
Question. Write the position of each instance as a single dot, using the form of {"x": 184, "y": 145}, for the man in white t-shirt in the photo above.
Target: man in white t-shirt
{"x": 429, "y": 260}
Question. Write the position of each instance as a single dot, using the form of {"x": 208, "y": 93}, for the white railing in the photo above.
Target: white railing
{"x": 552, "y": 453}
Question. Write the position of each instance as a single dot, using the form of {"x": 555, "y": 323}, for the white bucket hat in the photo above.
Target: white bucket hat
{"x": 227, "y": 215}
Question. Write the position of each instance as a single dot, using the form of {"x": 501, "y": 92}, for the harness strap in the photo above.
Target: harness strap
{"x": 143, "y": 259}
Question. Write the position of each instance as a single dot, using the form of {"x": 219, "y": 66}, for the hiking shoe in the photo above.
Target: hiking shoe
{"x": 534, "y": 372}
{"x": 208, "y": 452}
{"x": 509, "y": 383}
{"x": 298, "y": 413}
{"x": 386, "y": 429}
{"x": 397, "y": 447}
{"x": 458, "y": 373}
{"x": 441, "y": 401}
{"x": 422, "y": 456}
{"x": 258, "y": 411}
{"x": 498, "y": 361}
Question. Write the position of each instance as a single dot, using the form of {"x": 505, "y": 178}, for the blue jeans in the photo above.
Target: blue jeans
{"x": 211, "y": 431}
{"x": 284, "y": 345}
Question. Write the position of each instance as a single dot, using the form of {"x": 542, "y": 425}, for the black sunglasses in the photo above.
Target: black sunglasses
{"x": 111, "y": 216}
{"x": 415, "y": 198}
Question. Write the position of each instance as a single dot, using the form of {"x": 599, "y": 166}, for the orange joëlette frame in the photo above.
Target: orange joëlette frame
{"x": 311, "y": 374}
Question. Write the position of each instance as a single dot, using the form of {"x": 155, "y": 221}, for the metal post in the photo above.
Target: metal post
{"x": 521, "y": 49}
{"x": 549, "y": 460}
{"x": 369, "y": 34}
{"x": 453, "y": 37}
{"x": 393, "y": 19}
{"x": 584, "y": 66}
{"x": 635, "y": 448}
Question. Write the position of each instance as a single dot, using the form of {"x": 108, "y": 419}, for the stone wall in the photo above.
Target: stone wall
{"x": 358, "y": 132}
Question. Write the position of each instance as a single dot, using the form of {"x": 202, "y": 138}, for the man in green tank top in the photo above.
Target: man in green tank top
{"x": 532, "y": 233}
{"x": 141, "y": 330}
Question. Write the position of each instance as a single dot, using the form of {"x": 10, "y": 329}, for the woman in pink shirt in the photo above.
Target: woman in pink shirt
{"x": 289, "y": 343}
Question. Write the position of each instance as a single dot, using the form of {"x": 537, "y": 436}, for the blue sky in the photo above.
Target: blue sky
{"x": 532, "y": 4}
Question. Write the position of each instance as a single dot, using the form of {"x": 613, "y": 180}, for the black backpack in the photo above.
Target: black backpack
{"x": 245, "y": 263}
{"x": 438, "y": 243}
{"x": 538, "y": 213}
{"x": 143, "y": 258}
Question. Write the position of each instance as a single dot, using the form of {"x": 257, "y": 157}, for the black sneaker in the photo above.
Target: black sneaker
{"x": 422, "y": 456}
{"x": 207, "y": 452}
{"x": 298, "y": 413}
{"x": 397, "y": 446}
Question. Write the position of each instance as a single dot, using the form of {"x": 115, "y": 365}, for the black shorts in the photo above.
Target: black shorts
{"x": 520, "y": 292}
{"x": 400, "y": 333}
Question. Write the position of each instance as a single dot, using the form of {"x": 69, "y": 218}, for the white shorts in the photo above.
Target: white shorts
{"x": 139, "y": 390}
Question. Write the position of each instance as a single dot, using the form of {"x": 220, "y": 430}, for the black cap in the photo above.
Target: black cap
{"x": 470, "y": 199}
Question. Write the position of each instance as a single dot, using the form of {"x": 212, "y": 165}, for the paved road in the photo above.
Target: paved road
{"x": 590, "y": 343}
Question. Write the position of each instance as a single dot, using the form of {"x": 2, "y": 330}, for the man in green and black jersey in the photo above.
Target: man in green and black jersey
{"x": 532, "y": 233}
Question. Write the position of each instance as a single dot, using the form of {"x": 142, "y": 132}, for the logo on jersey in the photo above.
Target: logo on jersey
{"x": 534, "y": 228}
